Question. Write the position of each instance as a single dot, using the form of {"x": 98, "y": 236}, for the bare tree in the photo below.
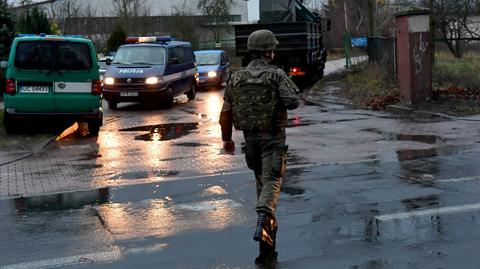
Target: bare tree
{"x": 126, "y": 9}
{"x": 455, "y": 22}
{"x": 217, "y": 12}
{"x": 63, "y": 12}
{"x": 182, "y": 23}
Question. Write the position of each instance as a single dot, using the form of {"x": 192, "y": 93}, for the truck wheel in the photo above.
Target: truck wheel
{"x": 192, "y": 92}
{"x": 94, "y": 126}
{"x": 112, "y": 105}
{"x": 168, "y": 102}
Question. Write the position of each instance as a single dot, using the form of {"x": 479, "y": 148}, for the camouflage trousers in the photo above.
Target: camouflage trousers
{"x": 267, "y": 157}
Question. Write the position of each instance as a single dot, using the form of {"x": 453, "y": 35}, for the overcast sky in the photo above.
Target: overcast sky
{"x": 253, "y": 10}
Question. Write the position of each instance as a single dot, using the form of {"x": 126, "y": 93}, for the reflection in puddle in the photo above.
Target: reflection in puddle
{"x": 421, "y": 202}
{"x": 298, "y": 122}
{"x": 191, "y": 145}
{"x": 388, "y": 136}
{"x": 62, "y": 201}
{"x": 413, "y": 154}
{"x": 163, "y": 132}
{"x": 144, "y": 174}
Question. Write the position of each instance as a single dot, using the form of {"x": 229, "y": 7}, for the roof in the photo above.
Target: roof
{"x": 159, "y": 44}
{"x": 52, "y": 37}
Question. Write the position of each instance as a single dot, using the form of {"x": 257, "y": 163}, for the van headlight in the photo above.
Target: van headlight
{"x": 212, "y": 74}
{"x": 152, "y": 80}
{"x": 109, "y": 81}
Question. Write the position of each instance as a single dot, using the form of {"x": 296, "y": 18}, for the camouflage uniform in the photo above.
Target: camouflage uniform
{"x": 265, "y": 148}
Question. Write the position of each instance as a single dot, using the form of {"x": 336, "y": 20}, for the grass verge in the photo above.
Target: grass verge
{"x": 369, "y": 87}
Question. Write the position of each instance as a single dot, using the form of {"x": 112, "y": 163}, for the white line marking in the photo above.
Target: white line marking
{"x": 108, "y": 256}
{"x": 429, "y": 212}
{"x": 146, "y": 250}
{"x": 461, "y": 179}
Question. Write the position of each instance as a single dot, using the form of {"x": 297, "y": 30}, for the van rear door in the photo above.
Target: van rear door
{"x": 34, "y": 89}
{"x": 76, "y": 70}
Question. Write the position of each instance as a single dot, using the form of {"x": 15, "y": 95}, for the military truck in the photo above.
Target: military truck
{"x": 301, "y": 53}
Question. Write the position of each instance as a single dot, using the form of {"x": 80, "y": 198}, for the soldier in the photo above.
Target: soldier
{"x": 256, "y": 101}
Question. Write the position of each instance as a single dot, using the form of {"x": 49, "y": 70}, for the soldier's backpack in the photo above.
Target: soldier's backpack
{"x": 254, "y": 101}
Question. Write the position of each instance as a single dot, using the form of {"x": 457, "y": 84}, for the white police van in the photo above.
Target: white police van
{"x": 150, "y": 70}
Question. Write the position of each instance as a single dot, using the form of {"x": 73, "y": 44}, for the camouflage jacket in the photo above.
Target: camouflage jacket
{"x": 286, "y": 93}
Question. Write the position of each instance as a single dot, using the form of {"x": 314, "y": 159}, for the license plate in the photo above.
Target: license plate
{"x": 126, "y": 94}
{"x": 33, "y": 89}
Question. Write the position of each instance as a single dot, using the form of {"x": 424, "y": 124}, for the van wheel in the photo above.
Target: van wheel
{"x": 112, "y": 105}
{"x": 8, "y": 124}
{"x": 94, "y": 126}
{"x": 168, "y": 102}
{"x": 192, "y": 92}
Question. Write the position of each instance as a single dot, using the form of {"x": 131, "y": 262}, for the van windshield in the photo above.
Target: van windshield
{"x": 56, "y": 55}
{"x": 207, "y": 59}
{"x": 140, "y": 55}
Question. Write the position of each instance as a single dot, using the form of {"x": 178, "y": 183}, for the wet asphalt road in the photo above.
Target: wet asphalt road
{"x": 363, "y": 190}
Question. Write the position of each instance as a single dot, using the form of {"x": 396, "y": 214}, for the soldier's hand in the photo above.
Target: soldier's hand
{"x": 229, "y": 147}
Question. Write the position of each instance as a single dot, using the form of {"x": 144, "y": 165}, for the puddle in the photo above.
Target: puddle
{"x": 62, "y": 201}
{"x": 373, "y": 265}
{"x": 191, "y": 145}
{"x": 163, "y": 132}
{"x": 292, "y": 182}
{"x": 144, "y": 174}
{"x": 414, "y": 154}
{"x": 388, "y": 136}
{"x": 342, "y": 120}
{"x": 298, "y": 122}
{"x": 421, "y": 202}
{"x": 294, "y": 159}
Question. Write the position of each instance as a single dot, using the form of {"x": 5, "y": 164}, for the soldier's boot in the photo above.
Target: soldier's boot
{"x": 266, "y": 234}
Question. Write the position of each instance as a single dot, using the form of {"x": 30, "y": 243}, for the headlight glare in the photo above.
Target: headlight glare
{"x": 152, "y": 80}
{"x": 109, "y": 81}
{"x": 212, "y": 74}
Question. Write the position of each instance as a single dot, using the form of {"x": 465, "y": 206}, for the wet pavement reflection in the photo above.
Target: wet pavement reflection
{"x": 163, "y": 132}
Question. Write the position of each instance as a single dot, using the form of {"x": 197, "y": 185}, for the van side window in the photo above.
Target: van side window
{"x": 188, "y": 52}
{"x": 171, "y": 54}
{"x": 180, "y": 54}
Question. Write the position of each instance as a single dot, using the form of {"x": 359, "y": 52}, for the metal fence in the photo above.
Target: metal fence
{"x": 381, "y": 51}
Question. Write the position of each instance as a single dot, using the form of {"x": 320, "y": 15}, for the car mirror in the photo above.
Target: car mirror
{"x": 108, "y": 61}
{"x": 3, "y": 64}
{"x": 173, "y": 61}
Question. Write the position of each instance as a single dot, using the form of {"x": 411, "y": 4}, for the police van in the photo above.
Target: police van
{"x": 52, "y": 77}
{"x": 150, "y": 70}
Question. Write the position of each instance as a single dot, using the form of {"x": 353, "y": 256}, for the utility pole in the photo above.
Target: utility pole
{"x": 371, "y": 27}
{"x": 432, "y": 28}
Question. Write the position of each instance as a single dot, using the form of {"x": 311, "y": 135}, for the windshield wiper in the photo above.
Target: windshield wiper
{"x": 120, "y": 63}
{"x": 142, "y": 63}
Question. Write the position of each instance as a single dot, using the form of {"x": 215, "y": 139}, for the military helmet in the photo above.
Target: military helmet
{"x": 262, "y": 40}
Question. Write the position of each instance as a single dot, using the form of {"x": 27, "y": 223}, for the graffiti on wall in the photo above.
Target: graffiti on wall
{"x": 419, "y": 51}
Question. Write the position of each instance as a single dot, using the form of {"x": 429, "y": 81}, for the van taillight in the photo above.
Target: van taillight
{"x": 10, "y": 87}
{"x": 97, "y": 87}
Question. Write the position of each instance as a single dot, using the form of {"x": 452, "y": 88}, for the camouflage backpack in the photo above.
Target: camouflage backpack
{"x": 254, "y": 101}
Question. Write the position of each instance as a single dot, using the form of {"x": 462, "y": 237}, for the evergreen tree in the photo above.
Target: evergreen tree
{"x": 6, "y": 28}
{"x": 117, "y": 38}
{"x": 34, "y": 21}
